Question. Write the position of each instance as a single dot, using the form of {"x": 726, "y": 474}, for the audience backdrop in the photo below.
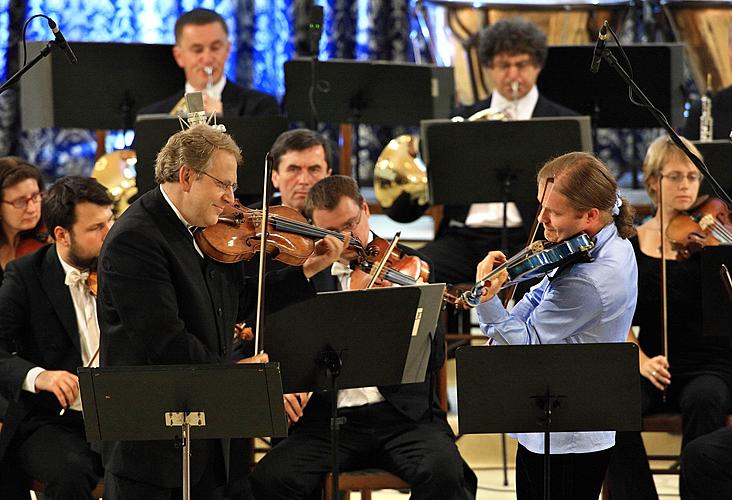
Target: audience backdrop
{"x": 263, "y": 34}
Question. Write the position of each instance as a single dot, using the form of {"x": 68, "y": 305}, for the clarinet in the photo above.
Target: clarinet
{"x": 706, "y": 122}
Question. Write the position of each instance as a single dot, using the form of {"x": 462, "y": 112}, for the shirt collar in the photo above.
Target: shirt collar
{"x": 525, "y": 105}
{"x": 187, "y": 224}
{"x": 216, "y": 90}
{"x": 66, "y": 266}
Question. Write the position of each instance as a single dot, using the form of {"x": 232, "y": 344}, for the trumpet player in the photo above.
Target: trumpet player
{"x": 201, "y": 49}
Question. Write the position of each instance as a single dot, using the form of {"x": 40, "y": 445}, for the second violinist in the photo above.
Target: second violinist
{"x": 588, "y": 302}
{"x": 397, "y": 428}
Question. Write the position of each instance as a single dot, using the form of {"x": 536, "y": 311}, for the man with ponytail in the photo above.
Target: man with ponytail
{"x": 589, "y": 301}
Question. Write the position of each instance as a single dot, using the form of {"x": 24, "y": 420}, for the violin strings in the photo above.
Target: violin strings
{"x": 721, "y": 233}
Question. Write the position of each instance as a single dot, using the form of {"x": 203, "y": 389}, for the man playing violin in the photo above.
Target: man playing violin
{"x": 397, "y": 428}
{"x": 191, "y": 302}
{"x": 591, "y": 300}
{"x": 696, "y": 372}
{"x": 48, "y": 328}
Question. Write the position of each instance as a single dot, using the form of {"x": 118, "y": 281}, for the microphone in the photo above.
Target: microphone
{"x": 61, "y": 41}
{"x": 315, "y": 28}
{"x": 599, "y": 48}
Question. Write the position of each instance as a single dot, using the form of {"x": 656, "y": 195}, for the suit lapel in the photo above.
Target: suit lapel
{"x": 52, "y": 279}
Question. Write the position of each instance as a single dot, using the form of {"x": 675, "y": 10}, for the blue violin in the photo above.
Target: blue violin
{"x": 533, "y": 261}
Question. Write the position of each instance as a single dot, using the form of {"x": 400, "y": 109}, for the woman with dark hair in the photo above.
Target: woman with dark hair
{"x": 21, "y": 190}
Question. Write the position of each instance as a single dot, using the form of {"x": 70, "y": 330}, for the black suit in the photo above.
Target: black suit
{"x": 457, "y": 249}
{"x": 38, "y": 328}
{"x": 236, "y": 101}
{"x": 407, "y": 434}
{"x": 721, "y": 112}
{"x": 161, "y": 303}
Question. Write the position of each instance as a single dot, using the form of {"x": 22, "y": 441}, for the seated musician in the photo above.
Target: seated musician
{"x": 21, "y": 190}
{"x": 201, "y": 49}
{"x": 300, "y": 158}
{"x": 397, "y": 428}
{"x": 190, "y": 305}
{"x": 48, "y": 328}
{"x": 697, "y": 370}
{"x": 513, "y": 51}
{"x": 590, "y": 300}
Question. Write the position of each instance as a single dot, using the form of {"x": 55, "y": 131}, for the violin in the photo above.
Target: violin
{"x": 385, "y": 265}
{"x": 237, "y": 235}
{"x": 706, "y": 224}
{"x": 533, "y": 261}
{"x": 91, "y": 282}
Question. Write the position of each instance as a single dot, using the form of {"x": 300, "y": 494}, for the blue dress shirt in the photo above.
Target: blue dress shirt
{"x": 589, "y": 302}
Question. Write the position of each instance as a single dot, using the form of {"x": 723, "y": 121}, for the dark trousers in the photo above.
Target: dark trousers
{"x": 52, "y": 449}
{"x": 704, "y": 401}
{"x": 573, "y": 476}
{"x": 211, "y": 485}
{"x": 706, "y": 466}
{"x": 422, "y": 453}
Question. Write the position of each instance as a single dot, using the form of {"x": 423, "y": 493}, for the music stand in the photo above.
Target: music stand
{"x": 548, "y": 388}
{"x": 716, "y": 305}
{"x": 254, "y": 134}
{"x": 658, "y": 68}
{"x": 468, "y": 162}
{"x": 99, "y": 92}
{"x": 370, "y": 92}
{"x": 716, "y": 157}
{"x": 169, "y": 400}
{"x": 341, "y": 340}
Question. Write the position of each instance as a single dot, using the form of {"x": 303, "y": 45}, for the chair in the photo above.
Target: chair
{"x": 38, "y": 487}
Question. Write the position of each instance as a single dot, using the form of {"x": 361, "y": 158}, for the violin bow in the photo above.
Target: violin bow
{"x": 380, "y": 267}
{"x": 664, "y": 278}
{"x": 511, "y": 290}
{"x": 266, "y": 199}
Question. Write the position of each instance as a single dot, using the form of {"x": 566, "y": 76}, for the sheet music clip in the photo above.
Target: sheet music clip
{"x": 197, "y": 115}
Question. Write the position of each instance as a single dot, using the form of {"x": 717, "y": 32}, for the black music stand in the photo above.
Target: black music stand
{"x": 100, "y": 91}
{"x": 548, "y": 388}
{"x": 254, "y": 134}
{"x": 369, "y": 92}
{"x": 657, "y": 67}
{"x": 716, "y": 157}
{"x": 341, "y": 340}
{"x": 468, "y": 162}
{"x": 145, "y": 403}
{"x": 716, "y": 304}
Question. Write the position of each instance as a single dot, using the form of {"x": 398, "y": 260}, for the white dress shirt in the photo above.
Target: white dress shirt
{"x": 214, "y": 92}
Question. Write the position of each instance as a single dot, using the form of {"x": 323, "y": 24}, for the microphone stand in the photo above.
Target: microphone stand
{"x": 609, "y": 57}
{"x": 16, "y": 77}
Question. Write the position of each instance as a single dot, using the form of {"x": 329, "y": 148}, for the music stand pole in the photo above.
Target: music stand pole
{"x": 332, "y": 362}
{"x": 16, "y": 77}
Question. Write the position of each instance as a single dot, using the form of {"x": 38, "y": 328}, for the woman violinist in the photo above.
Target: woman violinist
{"x": 590, "y": 301}
{"x": 21, "y": 190}
{"x": 696, "y": 372}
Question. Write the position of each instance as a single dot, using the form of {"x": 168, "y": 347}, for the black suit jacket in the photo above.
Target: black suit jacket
{"x": 412, "y": 400}
{"x": 236, "y": 101}
{"x": 37, "y": 328}
{"x": 721, "y": 112}
{"x": 161, "y": 303}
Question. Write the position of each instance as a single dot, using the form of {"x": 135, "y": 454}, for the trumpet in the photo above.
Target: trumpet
{"x": 209, "y": 83}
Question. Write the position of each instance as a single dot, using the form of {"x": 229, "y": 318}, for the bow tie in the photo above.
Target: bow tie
{"x": 340, "y": 270}
{"x": 76, "y": 277}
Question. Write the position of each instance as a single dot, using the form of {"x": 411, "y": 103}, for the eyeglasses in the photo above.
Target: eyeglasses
{"x": 353, "y": 222}
{"x": 505, "y": 65}
{"x": 223, "y": 186}
{"x": 677, "y": 177}
{"x": 21, "y": 203}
